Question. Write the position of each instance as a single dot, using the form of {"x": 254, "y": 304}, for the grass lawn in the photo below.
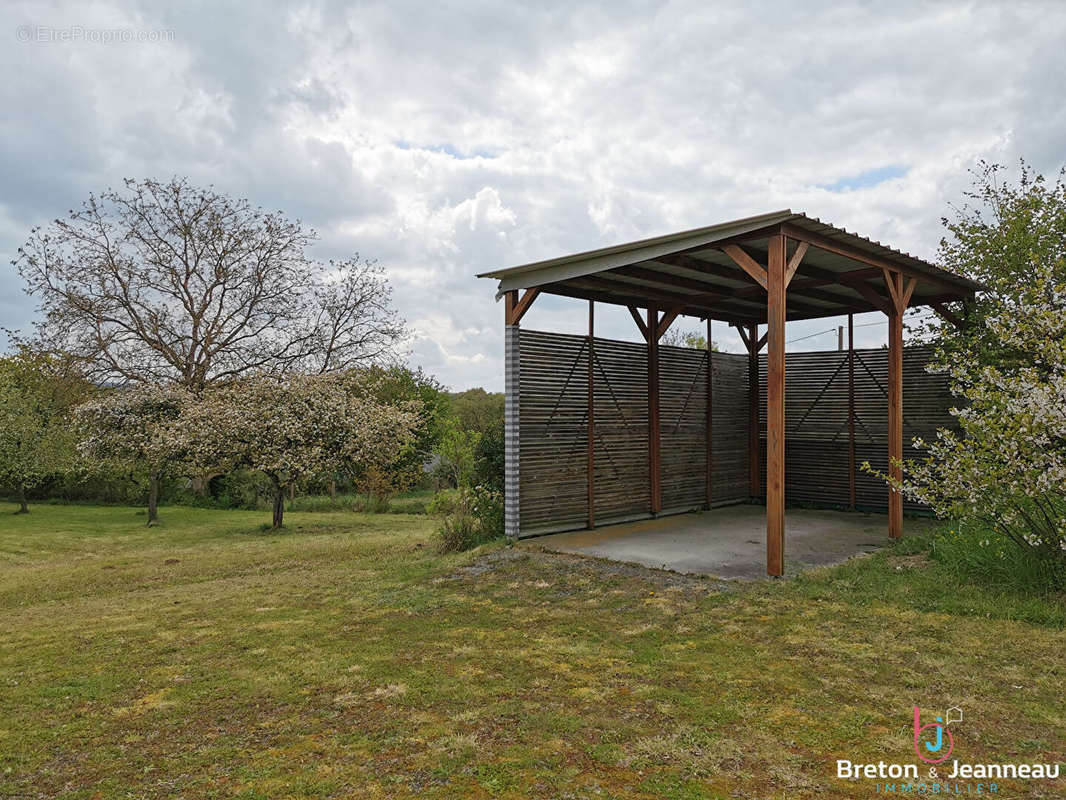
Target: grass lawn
{"x": 344, "y": 657}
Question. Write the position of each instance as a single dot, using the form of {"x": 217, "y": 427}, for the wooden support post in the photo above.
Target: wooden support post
{"x": 775, "y": 407}
{"x": 753, "y": 411}
{"x": 710, "y": 417}
{"x": 592, "y": 419}
{"x": 851, "y": 411}
{"x": 895, "y": 409}
{"x": 654, "y": 467}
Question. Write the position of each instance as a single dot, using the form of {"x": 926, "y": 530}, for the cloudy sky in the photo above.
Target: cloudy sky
{"x": 447, "y": 138}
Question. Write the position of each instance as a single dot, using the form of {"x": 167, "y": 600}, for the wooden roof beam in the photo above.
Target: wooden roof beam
{"x": 681, "y": 282}
{"x": 595, "y": 288}
{"x": 705, "y": 267}
{"x": 741, "y": 258}
{"x": 709, "y": 300}
{"x": 873, "y": 297}
{"x": 947, "y": 314}
{"x": 824, "y": 243}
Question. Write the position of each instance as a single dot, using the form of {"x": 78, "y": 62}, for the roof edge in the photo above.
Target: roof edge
{"x": 585, "y": 263}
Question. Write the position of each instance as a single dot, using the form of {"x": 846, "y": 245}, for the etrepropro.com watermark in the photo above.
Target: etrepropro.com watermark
{"x": 71, "y": 34}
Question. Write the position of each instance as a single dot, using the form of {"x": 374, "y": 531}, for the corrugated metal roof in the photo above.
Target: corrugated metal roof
{"x": 644, "y": 249}
{"x": 592, "y": 261}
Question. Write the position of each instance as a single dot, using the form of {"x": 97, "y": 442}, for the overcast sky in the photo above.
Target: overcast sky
{"x": 448, "y": 138}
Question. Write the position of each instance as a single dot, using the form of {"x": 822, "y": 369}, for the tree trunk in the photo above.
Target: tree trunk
{"x": 332, "y": 491}
{"x": 153, "y": 499}
{"x": 279, "y": 504}
{"x": 23, "y": 506}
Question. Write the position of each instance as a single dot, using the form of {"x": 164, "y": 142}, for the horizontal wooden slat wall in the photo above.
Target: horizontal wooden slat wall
{"x": 552, "y": 431}
{"x": 622, "y": 485}
{"x": 816, "y": 422}
{"x": 683, "y": 426}
{"x": 554, "y": 427}
{"x": 729, "y": 412}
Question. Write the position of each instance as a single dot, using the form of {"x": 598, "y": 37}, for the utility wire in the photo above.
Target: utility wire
{"x": 863, "y": 325}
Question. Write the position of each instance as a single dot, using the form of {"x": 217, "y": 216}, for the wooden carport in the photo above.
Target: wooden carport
{"x": 760, "y": 270}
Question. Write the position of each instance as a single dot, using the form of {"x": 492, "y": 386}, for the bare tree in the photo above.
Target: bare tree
{"x": 167, "y": 282}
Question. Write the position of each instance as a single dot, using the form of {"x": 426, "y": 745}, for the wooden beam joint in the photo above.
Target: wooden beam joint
{"x": 740, "y": 257}
{"x": 515, "y": 309}
{"x": 666, "y": 321}
{"x": 640, "y": 323}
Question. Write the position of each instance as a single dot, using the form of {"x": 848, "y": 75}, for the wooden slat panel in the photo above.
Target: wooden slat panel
{"x": 553, "y": 430}
{"x": 816, "y": 419}
{"x": 553, "y": 455}
{"x": 623, "y": 481}
{"x": 730, "y": 419}
{"x": 683, "y": 424}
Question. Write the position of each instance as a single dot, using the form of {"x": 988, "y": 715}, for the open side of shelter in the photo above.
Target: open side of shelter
{"x": 756, "y": 271}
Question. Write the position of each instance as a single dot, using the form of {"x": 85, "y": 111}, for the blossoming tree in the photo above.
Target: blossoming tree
{"x": 137, "y": 425}
{"x": 295, "y": 428}
{"x": 1005, "y": 469}
{"x": 37, "y": 392}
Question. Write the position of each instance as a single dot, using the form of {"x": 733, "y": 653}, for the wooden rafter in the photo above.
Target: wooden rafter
{"x": 878, "y": 301}
{"x": 747, "y": 315}
{"x": 947, "y": 314}
{"x": 710, "y": 302}
{"x": 639, "y": 321}
{"x": 709, "y": 296}
{"x": 824, "y": 243}
{"x": 794, "y": 262}
{"x": 746, "y": 263}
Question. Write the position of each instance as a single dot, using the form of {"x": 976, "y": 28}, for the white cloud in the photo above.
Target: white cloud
{"x": 448, "y": 139}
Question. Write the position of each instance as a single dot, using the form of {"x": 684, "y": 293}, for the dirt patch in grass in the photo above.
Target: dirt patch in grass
{"x": 587, "y": 566}
{"x": 916, "y": 561}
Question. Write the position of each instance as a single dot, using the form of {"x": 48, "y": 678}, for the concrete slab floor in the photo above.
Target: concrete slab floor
{"x": 730, "y": 542}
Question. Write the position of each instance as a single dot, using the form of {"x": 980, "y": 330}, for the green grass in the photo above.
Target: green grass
{"x": 345, "y": 657}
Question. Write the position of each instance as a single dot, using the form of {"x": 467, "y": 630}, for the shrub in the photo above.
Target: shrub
{"x": 1006, "y": 471}
{"x": 489, "y": 458}
{"x": 978, "y": 552}
{"x": 468, "y": 517}
{"x": 380, "y": 487}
